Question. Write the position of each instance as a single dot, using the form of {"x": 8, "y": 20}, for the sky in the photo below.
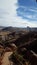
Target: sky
{"x": 18, "y": 13}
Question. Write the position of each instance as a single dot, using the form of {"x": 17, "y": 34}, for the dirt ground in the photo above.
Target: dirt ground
{"x": 5, "y": 60}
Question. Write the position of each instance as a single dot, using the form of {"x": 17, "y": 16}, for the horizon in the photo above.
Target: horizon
{"x": 17, "y": 27}
{"x": 18, "y": 13}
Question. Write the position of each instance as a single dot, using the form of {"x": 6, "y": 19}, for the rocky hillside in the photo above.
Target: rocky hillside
{"x": 23, "y": 44}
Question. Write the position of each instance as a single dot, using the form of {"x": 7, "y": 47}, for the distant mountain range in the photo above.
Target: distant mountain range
{"x": 12, "y": 29}
{"x": 32, "y": 29}
{"x": 17, "y": 29}
{"x": 1, "y": 27}
{"x": 7, "y": 29}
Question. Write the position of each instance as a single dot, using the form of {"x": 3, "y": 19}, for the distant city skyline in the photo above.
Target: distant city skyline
{"x": 18, "y": 13}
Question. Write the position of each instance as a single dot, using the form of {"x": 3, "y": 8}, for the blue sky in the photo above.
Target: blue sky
{"x": 27, "y": 10}
{"x": 18, "y": 13}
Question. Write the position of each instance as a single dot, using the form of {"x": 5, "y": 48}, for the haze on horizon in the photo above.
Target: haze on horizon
{"x": 18, "y": 13}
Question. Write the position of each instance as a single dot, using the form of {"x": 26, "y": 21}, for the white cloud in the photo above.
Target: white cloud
{"x": 9, "y": 16}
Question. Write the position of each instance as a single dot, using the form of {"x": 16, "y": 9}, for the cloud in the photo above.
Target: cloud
{"x": 28, "y": 13}
{"x": 10, "y": 15}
